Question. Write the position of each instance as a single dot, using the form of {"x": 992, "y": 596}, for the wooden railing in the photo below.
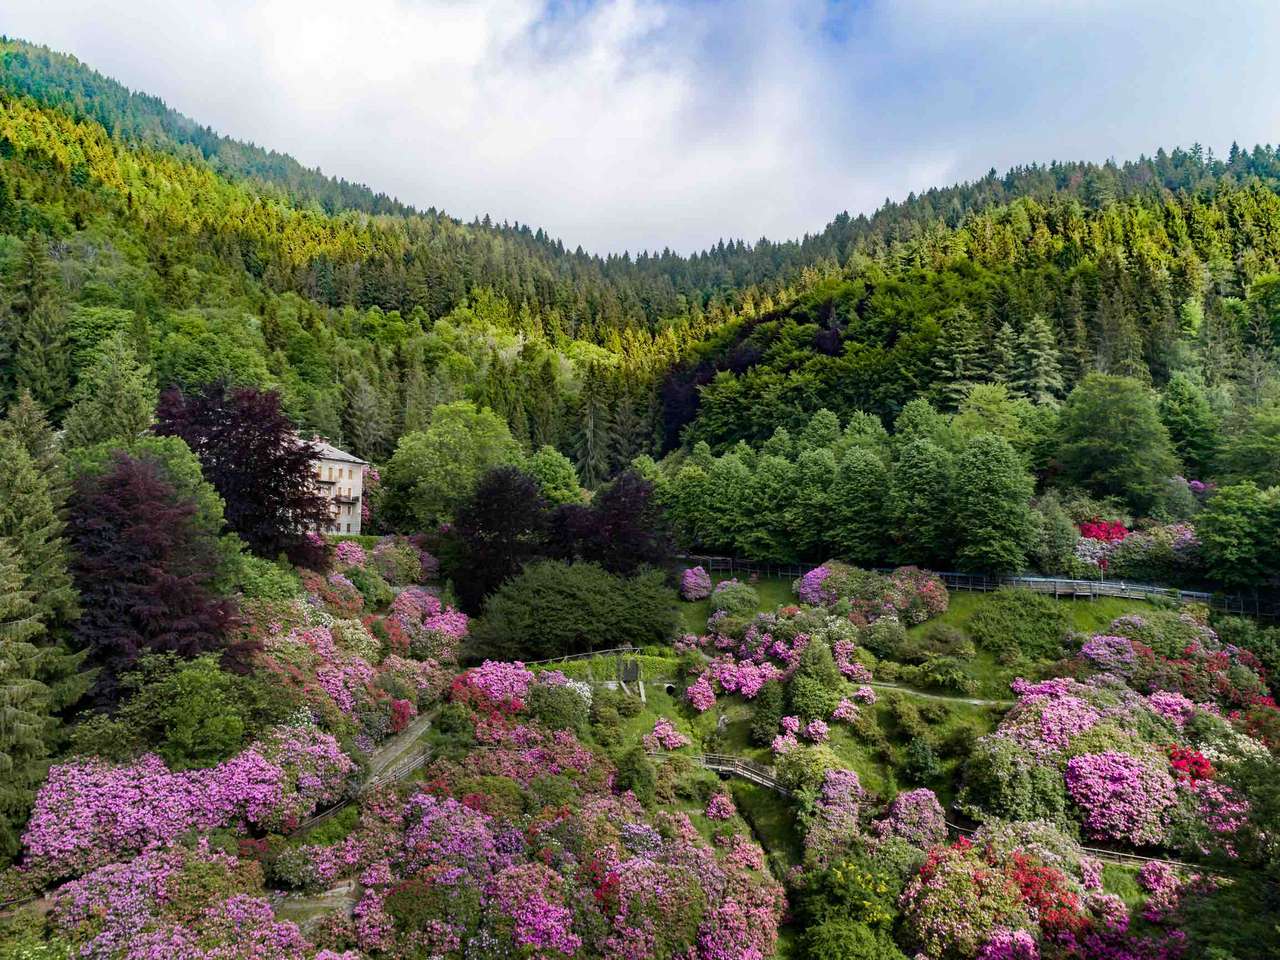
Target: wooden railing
{"x": 736, "y": 766}
{"x": 1258, "y": 605}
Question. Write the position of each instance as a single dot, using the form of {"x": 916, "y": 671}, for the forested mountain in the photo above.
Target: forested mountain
{"x": 221, "y": 259}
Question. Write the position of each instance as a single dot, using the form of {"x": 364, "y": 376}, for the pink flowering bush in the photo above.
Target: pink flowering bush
{"x": 1114, "y": 654}
{"x": 721, "y": 807}
{"x": 865, "y": 694}
{"x": 665, "y": 736}
{"x": 91, "y": 813}
{"x": 916, "y": 816}
{"x": 700, "y": 694}
{"x": 1006, "y": 944}
{"x": 817, "y": 731}
{"x": 846, "y": 710}
{"x": 695, "y": 584}
{"x": 911, "y": 594}
{"x": 1121, "y": 797}
{"x": 836, "y": 820}
{"x": 349, "y": 553}
{"x": 499, "y": 682}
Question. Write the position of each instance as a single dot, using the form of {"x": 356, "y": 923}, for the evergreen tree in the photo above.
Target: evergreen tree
{"x": 26, "y": 423}
{"x": 30, "y": 524}
{"x": 1039, "y": 376}
{"x": 1003, "y": 363}
{"x": 991, "y": 504}
{"x": 363, "y": 426}
{"x": 958, "y": 362}
{"x": 42, "y": 358}
{"x": 114, "y": 400}
{"x": 1192, "y": 425}
{"x": 25, "y": 724}
{"x": 592, "y": 441}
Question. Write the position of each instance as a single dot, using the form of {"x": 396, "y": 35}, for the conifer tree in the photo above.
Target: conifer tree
{"x": 25, "y": 724}
{"x": 591, "y": 444}
{"x": 362, "y": 424}
{"x": 114, "y": 400}
{"x": 1039, "y": 371}
{"x": 42, "y": 359}
{"x": 958, "y": 362}
{"x": 1192, "y": 424}
{"x": 1004, "y": 350}
{"x": 26, "y": 423}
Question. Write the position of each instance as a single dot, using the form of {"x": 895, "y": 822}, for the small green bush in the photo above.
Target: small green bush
{"x": 885, "y": 637}
{"x": 635, "y": 773}
{"x": 558, "y": 708}
{"x": 1014, "y": 624}
{"x": 377, "y": 592}
{"x": 259, "y": 579}
{"x": 766, "y": 713}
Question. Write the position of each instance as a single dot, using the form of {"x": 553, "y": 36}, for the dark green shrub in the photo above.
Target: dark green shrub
{"x": 557, "y": 708}
{"x": 884, "y": 638}
{"x": 377, "y": 592}
{"x": 635, "y": 773}
{"x": 1014, "y": 624}
{"x": 920, "y": 762}
{"x": 1003, "y": 780}
{"x": 937, "y": 639}
{"x": 817, "y": 685}
{"x": 766, "y": 713}
{"x": 735, "y": 598}
{"x": 552, "y": 790}
{"x": 552, "y": 609}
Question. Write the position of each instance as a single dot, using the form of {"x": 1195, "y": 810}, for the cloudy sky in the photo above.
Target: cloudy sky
{"x": 650, "y": 123}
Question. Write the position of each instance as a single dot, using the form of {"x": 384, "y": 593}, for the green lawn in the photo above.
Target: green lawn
{"x": 774, "y": 592}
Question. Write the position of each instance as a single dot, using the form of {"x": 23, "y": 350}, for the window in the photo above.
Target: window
{"x": 348, "y": 528}
{"x": 331, "y": 473}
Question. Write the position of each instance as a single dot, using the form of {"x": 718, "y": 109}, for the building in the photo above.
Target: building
{"x": 341, "y": 479}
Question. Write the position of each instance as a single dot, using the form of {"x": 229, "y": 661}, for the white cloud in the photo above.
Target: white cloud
{"x": 648, "y": 123}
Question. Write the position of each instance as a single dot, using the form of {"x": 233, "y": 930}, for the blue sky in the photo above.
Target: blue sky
{"x": 651, "y": 123}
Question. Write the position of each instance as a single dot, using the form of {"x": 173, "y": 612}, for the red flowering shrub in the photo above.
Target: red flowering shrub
{"x": 1189, "y": 764}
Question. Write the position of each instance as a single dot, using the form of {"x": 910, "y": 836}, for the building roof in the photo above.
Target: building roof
{"x": 328, "y": 451}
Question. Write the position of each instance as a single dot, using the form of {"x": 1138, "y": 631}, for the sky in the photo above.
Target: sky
{"x": 644, "y": 124}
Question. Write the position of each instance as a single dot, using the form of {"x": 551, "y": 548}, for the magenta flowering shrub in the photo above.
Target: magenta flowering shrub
{"x": 865, "y": 694}
{"x": 812, "y": 588}
{"x": 178, "y": 905}
{"x": 665, "y": 736}
{"x": 499, "y": 682}
{"x": 817, "y": 731}
{"x": 909, "y": 593}
{"x": 1114, "y": 654}
{"x": 1006, "y": 944}
{"x": 784, "y": 743}
{"x": 721, "y": 807}
{"x": 91, "y": 813}
{"x": 695, "y": 584}
{"x": 430, "y": 630}
{"x": 846, "y": 710}
{"x": 916, "y": 816}
{"x": 1121, "y": 797}
{"x": 1172, "y": 706}
{"x": 836, "y": 821}
{"x": 700, "y": 694}
{"x": 349, "y": 553}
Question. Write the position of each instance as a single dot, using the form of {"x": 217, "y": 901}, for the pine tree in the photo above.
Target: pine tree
{"x": 25, "y": 725}
{"x": 591, "y": 445}
{"x": 42, "y": 361}
{"x": 26, "y": 423}
{"x": 958, "y": 363}
{"x": 28, "y": 521}
{"x": 114, "y": 400}
{"x": 1039, "y": 372}
{"x": 362, "y": 424}
{"x": 1003, "y": 357}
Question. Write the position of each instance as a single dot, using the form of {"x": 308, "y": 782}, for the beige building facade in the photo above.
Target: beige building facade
{"x": 340, "y": 477}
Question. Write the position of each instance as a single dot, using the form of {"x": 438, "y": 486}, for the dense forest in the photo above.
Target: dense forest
{"x": 223, "y": 735}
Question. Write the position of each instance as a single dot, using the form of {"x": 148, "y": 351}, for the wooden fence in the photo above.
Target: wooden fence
{"x": 1258, "y": 605}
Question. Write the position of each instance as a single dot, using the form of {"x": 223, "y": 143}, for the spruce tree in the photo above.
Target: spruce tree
{"x": 1039, "y": 376}
{"x": 362, "y": 423}
{"x": 958, "y": 362}
{"x": 42, "y": 358}
{"x": 591, "y": 444}
{"x": 114, "y": 400}
{"x": 25, "y": 724}
{"x": 1192, "y": 424}
{"x": 26, "y": 423}
{"x": 1003, "y": 361}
